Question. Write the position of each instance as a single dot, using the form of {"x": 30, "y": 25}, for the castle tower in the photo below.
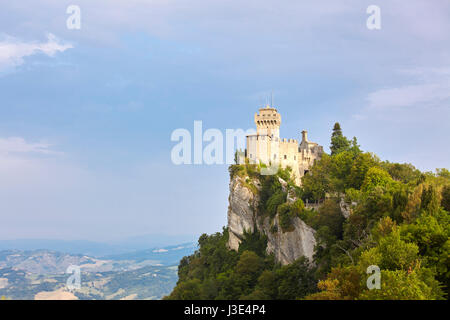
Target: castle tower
{"x": 268, "y": 122}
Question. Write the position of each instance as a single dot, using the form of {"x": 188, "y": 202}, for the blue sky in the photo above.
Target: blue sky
{"x": 86, "y": 115}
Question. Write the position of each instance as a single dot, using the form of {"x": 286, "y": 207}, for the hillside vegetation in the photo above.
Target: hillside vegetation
{"x": 41, "y": 274}
{"x": 397, "y": 219}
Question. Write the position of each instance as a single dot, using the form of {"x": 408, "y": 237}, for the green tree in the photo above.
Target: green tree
{"x": 404, "y": 172}
{"x": 285, "y": 217}
{"x": 355, "y": 147}
{"x": 443, "y": 173}
{"x": 362, "y": 163}
{"x": 342, "y": 283}
{"x": 391, "y": 253}
{"x": 187, "y": 290}
{"x": 339, "y": 143}
{"x": 296, "y": 280}
{"x": 268, "y": 284}
{"x": 376, "y": 177}
{"x": 318, "y": 182}
{"x": 445, "y": 201}
{"x": 330, "y": 215}
{"x": 430, "y": 200}
{"x": 255, "y": 242}
{"x": 248, "y": 270}
{"x": 432, "y": 236}
{"x": 341, "y": 166}
{"x": 401, "y": 285}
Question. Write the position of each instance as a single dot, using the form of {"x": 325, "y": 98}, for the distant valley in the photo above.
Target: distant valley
{"x": 41, "y": 274}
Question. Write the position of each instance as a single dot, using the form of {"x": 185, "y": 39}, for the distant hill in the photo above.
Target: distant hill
{"x": 144, "y": 283}
{"x": 42, "y": 261}
{"x": 144, "y": 274}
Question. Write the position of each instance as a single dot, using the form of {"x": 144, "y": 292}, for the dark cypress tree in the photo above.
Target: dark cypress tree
{"x": 445, "y": 202}
{"x": 337, "y": 131}
{"x": 339, "y": 143}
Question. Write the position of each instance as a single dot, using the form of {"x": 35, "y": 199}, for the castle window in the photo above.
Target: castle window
{"x": 274, "y": 156}
{"x": 295, "y": 158}
{"x": 285, "y": 156}
{"x": 250, "y": 155}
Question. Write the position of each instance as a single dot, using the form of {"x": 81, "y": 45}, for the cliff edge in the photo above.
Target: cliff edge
{"x": 245, "y": 215}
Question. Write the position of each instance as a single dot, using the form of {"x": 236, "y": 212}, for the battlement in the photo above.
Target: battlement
{"x": 289, "y": 141}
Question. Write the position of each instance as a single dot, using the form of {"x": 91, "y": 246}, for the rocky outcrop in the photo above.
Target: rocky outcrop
{"x": 243, "y": 216}
{"x": 241, "y": 212}
{"x": 346, "y": 208}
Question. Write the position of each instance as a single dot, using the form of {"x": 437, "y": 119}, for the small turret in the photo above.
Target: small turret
{"x": 305, "y": 135}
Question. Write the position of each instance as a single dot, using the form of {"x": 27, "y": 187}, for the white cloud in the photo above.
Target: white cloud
{"x": 160, "y": 250}
{"x": 13, "y": 51}
{"x": 431, "y": 89}
{"x": 408, "y": 96}
{"x": 19, "y": 145}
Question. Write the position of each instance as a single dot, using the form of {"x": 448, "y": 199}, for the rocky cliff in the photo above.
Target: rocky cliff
{"x": 243, "y": 216}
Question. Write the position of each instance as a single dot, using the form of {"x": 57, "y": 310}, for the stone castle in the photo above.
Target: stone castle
{"x": 267, "y": 147}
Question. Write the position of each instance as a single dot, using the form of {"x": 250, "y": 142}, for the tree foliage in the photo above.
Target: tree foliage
{"x": 339, "y": 143}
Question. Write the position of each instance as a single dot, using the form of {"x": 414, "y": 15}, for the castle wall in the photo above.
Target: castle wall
{"x": 262, "y": 148}
{"x": 265, "y": 146}
{"x": 308, "y": 152}
{"x": 289, "y": 156}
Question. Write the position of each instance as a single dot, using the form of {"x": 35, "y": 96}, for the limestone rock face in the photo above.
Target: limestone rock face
{"x": 243, "y": 215}
{"x": 289, "y": 246}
